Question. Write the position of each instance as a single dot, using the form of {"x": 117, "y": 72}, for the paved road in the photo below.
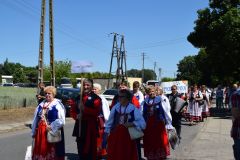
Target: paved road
{"x": 13, "y": 145}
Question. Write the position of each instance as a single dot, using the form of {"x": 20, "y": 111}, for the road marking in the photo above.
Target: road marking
{"x": 28, "y": 155}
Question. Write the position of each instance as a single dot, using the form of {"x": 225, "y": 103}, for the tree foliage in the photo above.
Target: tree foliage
{"x": 167, "y": 79}
{"x": 217, "y": 32}
{"x": 149, "y": 74}
{"x": 188, "y": 70}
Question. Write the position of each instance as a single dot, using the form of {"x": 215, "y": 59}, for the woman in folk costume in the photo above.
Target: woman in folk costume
{"x": 123, "y": 115}
{"x": 102, "y": 119}
{"x": 86, "y": 112}
{"x": 155, "y": 140}
{"x": 195, "y": 107}
{"x": 166, "y": 107}
{"x": 187, "y": 110}
{"x": 49, "y": 116}
{"x": 206, "y": 104}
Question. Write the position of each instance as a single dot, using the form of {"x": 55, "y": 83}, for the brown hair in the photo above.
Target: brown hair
{"x": 126, "y": 93}
{"x": 136, "y": 84}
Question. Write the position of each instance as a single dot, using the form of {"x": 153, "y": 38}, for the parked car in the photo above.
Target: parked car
{"x": 109, "y": 94}
{"x": 66, "y": 83}
{"x": 67, "y": 94}
{"x": 8, "y": 85}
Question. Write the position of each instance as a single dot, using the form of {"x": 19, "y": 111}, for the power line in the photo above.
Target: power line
{"x": 161, "y": 43}
{"x": 26, "y": 8}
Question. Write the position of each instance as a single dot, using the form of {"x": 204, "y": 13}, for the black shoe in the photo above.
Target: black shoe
{"x": 179, "y": 140}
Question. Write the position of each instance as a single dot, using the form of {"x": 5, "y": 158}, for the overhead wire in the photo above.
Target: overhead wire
{"x": 27, "y": 9}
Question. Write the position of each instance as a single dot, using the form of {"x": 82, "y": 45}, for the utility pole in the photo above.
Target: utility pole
{"x": 41, "y": 42}
{"x": 115, "y": 53}
{"x": 123, "y": 73}
{"x": 155, "y": 64}
{"x": 160, "y": 74}
{"x": 120, "y": 54}
{"x": 51, "y": 40}
{"x": 143, "y": 57}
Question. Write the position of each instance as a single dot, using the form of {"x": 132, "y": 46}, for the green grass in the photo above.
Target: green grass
{"x": 17, "y": 97}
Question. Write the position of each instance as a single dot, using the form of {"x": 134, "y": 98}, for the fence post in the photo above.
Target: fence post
{"x": 25, "y": 102}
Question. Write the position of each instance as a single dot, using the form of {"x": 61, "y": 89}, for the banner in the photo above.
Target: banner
{"x": 182, "y": 86}
{"x": 81, "y": 66}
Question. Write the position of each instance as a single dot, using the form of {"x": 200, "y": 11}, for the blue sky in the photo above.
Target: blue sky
{"x": 82, "y": 31}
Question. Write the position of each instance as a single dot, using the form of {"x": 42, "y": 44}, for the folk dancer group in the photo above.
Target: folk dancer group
{"x": 199, "y": 102}
{"x": 102, "y": 131}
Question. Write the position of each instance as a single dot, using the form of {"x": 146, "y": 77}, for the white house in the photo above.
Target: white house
{"x": 7, "y": 79}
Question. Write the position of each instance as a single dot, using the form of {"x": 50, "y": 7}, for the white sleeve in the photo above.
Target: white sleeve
{"x": 200, "y": 94}
{"x": 60, "y": 122}
{"x": 168, "y": 116}
{"x": 34, "y": 122}
{"x": 141, "y": 101}
{"x": 139, "y": 121}
{"x": 110, "y": 120}
{"x": 105, "y": 108}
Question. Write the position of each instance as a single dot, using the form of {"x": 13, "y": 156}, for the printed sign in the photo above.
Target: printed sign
{"x": 182, "y": 86}
{"x": 81, "y": 66}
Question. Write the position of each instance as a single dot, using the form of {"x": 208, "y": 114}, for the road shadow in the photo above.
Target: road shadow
{"x": 71, "y": 156}
{"x": 28, "y": 125}
{"x": 220, "y": 113}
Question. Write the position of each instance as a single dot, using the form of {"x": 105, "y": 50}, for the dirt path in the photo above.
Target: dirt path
{"x": 16, "y": 115}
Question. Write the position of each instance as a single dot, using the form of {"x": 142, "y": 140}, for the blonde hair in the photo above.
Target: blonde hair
{"x": 51, "y": 89}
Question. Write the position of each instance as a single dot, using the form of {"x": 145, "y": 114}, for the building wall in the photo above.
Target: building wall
{"x": 7, "y": 79}
{"x": 132, "y": 79}
{"x": 103, "y": 82}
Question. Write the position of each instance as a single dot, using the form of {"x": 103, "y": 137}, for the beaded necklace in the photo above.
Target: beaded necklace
{"x": 122, "y": 115}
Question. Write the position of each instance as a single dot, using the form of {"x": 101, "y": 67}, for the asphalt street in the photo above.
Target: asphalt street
{"x": 14, "y": 144}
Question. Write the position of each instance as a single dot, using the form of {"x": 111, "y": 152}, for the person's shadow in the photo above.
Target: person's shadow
{"x": 71, "y": 156}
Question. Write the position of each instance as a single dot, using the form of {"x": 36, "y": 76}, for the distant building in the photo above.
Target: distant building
{"x": 7, "y": 79}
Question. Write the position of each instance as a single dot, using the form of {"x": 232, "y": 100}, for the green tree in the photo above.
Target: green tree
{"x": 62, "y": 69}
{"x": 188, "y": 70}
{"x": 31, "y": 74}
{"x": 148, "y": 74}
{"x": 167, "y": 79}
{"x": 19, "y": 75}
{"x": 217, "y": 32}
{"x": 134, "y": 73}
{"x": 8, "y": 68}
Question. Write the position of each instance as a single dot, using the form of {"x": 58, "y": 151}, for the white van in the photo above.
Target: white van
{"x": 153, "y": 83}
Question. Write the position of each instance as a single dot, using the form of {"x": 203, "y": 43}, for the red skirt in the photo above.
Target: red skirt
{"x": 43, "y": 150}
{"x": 155, "y": 140}
{"x": 120, "y": 145}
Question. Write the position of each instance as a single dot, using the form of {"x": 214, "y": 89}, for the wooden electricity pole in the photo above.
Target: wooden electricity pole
{"x": 143, "y": 57}
{"x": 41, "y": 42}
{"x": 51, "y": 40}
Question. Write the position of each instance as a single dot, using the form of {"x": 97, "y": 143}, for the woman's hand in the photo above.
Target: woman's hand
{"x": 49, "y": 128}
{"x": 128, "y": 124}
